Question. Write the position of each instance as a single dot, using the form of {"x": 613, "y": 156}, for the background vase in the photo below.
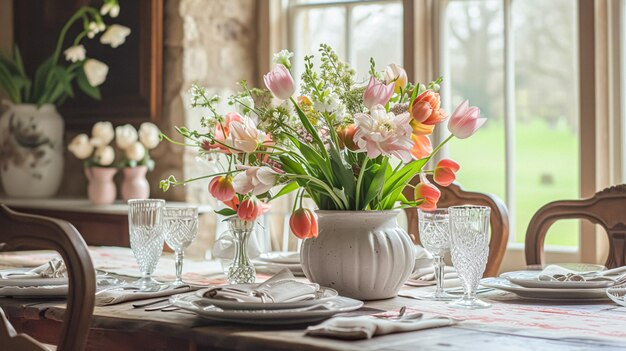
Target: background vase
{"x": 135, "y": 185}
{"x": 362, "y": 254}
{"x": 31, "y": 150}
{"x": 101, "y": 189}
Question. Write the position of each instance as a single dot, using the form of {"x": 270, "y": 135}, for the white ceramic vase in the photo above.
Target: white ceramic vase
{"x": 362, "y": 254}
{"x": 31, "y": 150}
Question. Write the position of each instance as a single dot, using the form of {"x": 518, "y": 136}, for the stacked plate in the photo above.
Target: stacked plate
{"x": 326, "y": 304}
{"x": 526, "y": 284}
{"x": 276, "y": 261}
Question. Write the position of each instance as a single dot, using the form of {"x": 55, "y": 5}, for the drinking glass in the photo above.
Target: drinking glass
{"x": 145, "y": 222}
{"x": 469, "y": 232}
{"x": 434, "y": 232}
{"x": 180, "y": 228}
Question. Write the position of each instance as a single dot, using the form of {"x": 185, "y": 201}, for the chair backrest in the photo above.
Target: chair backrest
{"x": 24, "y": 231}
{"x": 606, "y": 208}
{"x": 454, "y": 195}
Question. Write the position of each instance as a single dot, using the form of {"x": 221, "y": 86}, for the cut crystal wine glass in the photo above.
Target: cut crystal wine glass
{"x": 180, "y": 228}
{"x": 145, "y": 222}
{"x": 469, "y": 233}
{"x": 434, "y": 233}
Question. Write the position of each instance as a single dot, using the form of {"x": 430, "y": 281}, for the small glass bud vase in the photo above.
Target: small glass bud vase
{"x": 241, "y": 269}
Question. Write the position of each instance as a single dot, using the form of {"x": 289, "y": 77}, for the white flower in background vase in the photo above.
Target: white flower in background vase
{"x": 111, "y": 8}
{"x": 95, "y": 71}
{"x": 136, "y": 152}
{"x": 125, "y": 136}
{"x": 80, "y": 146}
{"x": 149, "y": 135}
{"x": 102, "y": 134}
{"x": 115, "y": 35}
{"x": 75, "y": 53}
{"x": 104, "y": 156}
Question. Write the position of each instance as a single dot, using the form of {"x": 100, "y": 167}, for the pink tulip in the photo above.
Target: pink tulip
{"x": 445, "y": 172}
{"x": 222, "y": 188}
{"x": 244, "y": 135}
{"x": 465, "y": 120}
{"x": 251, "y": 208}
{"x": 221, "y": 133}
{"x": 303, "y": 223}
{"x": 280, "y": 82}
{"x": 428, "y": 193}
{"x": 377, "y": 93}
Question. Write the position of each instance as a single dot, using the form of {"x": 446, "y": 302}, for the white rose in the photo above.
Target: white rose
{"x": 102, "y": 133}
{"x": 125, "y": 136}
{"x": 80, "y": 146}
{"x": 95, "y": 71}
{"x": 104, "y": 156}
{"x": 75, "y": 53}
{"x": 115, "y": 35}
{"x": 149, "y": 135}
{"x": 136, "y": 151}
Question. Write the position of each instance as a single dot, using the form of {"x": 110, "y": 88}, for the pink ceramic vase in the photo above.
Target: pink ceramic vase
{"x": 135, "y": 185}
{"x": 101, "y": 189}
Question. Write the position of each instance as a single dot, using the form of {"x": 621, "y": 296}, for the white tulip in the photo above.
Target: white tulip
{"x": 136, "y": 152}
{"x": 115, "y": 35}
{"x": 80, "y": 146}
{"x": 125, "y": 136}
{"x": 149, "y": 135}
{"x": 95, "y": 71}
{"x": 75, "y": 53}
{"x": 115, "y": 10}
{"x": 102, "y": 134}
{"x": 104, "y": 156}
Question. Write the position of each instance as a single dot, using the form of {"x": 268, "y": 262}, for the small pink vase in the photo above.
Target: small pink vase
{"x": 135, "y": 185}
{"x": 101, "y": 189}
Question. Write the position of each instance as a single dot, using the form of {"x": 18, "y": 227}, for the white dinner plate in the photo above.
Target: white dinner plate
{"x": 290, "y": 257}
{"x": 551, "y": 294}
{"x": 199, "y": 306}
{"x": 529, "y": 279}
{"x": 325, "y": 294}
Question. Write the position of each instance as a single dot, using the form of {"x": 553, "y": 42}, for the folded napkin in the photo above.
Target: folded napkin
{"x": 282, "y": 287}
{"x": 366, "y": 327}
{"x": 112, "y": 297}
{"x": 424, "y": 271}
{"x": 55, "y": 268}
{"x": 559, "y": 273}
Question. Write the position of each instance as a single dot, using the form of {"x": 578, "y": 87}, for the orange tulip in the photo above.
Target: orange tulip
{"x": 422, "y": 146}
{"x": 427, "y": 192}
{"x": 303, "y": 223}
{"x": 420, "y": 128}
{"x": 222, "y": 188}
{"x": 251, "y": 208}
{"x": 346, "y": 137}
{"x": 426, "y": 108}
{"x": 445, "y": 172}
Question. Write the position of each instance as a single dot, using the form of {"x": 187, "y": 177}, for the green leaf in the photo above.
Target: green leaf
{"x": 226, "y": 212}
{"x": 377, "y": 183}
{"x": 289, "y": 187}
{"x": 83, "y": 84}
{"x": 309, "y": 128}
{"x": 8, "y": 83}
{"x": 41, "y": 75}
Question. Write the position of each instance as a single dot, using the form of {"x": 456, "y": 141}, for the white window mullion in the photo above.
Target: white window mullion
{"x": 348, "y": 55}
{"x": 509, "y": 114}
{"x": 443, "y": 70}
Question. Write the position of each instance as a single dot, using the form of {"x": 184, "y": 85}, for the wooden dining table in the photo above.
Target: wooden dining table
{"x": 510, "y": 324}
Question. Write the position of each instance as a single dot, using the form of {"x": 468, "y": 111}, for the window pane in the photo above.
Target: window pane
{"x": 475, "y": 45}
{"x": 546, "y": 94}
{"x": 376, "y": 32}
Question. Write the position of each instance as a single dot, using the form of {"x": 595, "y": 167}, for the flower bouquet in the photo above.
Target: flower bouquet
{"x": 350, "y": 146}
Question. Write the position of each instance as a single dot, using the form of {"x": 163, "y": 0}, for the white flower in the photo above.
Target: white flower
{"x": 383, "y": 132}
{"x": 102, "y": 134}
{"x": 149, "y": 135}
{"x": 283, "y": 57}
{"x": 115, "y": 11}
{"x": 245, "y": 136}
{"x": 249, "y": 105}
{"x": 136, "y": 151}
{"x": 80, "y": 146}
{"x": 106, "y": 8}
{"x": 104, "y": 156}
{"x": 75, "y": 53}
{"x": 111, "y": 8}
{"x": 329, "y": 102}
{"x": 115, "y": 35}
{"x": 125, "y": 136}
{"x": 257, "y": 180}
{"x": 95, "y": 71}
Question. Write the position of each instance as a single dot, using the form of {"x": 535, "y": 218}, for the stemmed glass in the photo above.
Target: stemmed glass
{"x": 145, "y": 223}
{"x": 469, "y": 230}
{"x": 180, "y": 228}
{"x": 434, "y": 232}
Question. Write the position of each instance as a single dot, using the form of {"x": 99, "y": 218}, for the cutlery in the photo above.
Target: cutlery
{"x": 157, "y": 308}
{"x": 146, "y": 304}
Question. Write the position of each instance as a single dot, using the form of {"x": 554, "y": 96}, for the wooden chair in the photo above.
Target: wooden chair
{"x": 606, "y": 208}
{"x": 23, "y": 231}
{"x": 454, "y": 195}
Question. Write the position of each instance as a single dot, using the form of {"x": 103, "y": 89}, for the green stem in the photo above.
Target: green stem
{"x": 330, "y": 191}
{"x": 440, "y": 145}
{"x": 359, "y": 181}
{"x": 66, "y": 27}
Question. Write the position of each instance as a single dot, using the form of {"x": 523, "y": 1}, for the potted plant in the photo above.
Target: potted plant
{"x": 31, "y": 129}
{"x": 352, "y": 147}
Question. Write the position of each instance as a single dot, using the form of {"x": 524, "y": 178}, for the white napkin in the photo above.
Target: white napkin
{"x": 555, "y": 272}
{"x": 224, "y": 247}
{"x": 424, "y": 271}
{"x": 280, "y": 288}
{"x": 366, "y": 327}
{"x": 55, "y": 268}
{"x": 112, "y": 297}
